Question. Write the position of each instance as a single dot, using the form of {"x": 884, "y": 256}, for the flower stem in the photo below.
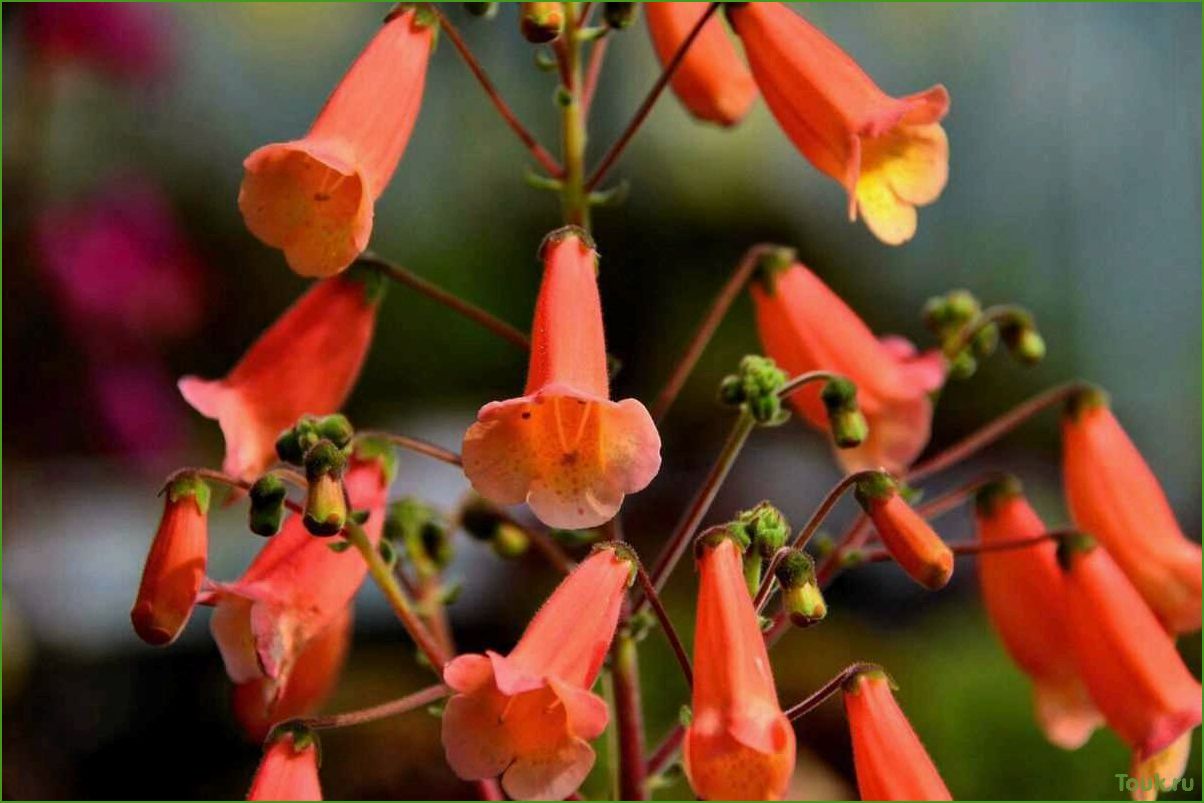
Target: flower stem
{"x": 817, "y": 698}
{"x": 654, "y": 94}
{"x": 706, "y": 330}
{"x": 992, "y": 432}
{"x": 458, "y": 305}
{"x": 382, "y": 575}
{"x": 416, "y": 445}
{"x": 658, "y": 607}
{"x": 977, "y": 547}
{"x": 629, "y": 717}
{"x": 390, "y": 709}
{"x": 700, "y": 504}
{"x": 597, "y": 54}
{"x": 574, "y": 193}
{"x": 665, "y": 751}
{"x": 545, "y": 159}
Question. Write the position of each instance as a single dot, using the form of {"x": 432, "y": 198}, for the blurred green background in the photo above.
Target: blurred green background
{"x": 1074, "y": 190}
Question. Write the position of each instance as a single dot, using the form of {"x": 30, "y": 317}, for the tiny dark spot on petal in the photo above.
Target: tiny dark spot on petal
{"x": 526, "y": 414}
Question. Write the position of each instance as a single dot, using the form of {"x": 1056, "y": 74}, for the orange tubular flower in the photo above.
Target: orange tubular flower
{"x": 1023, "y": 594}
{"x": 1115, "y": 496}
{"x": 890, "y": 761}
{"x": 890, "y": 154}
{"x": 175, "y": 566}
{"x": 564, "y": 447}
{"x": 293, "y": 591}
{"x": 1127, "y": 660}
{"x": 313, "y": 197}
{"x": 288, "y": 769}
{"x": 529, "y": 716}
{"x": 804, "y": 326}
{"x": 258, "y": 706}
{"x": 306, "y": 362}
{"x": 712, "y": 81}
{"x": 739, "y": 746}
{"x": 910, "y": 540}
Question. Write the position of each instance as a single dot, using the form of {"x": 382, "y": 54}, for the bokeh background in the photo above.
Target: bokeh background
{"x": 1075, "y": 190}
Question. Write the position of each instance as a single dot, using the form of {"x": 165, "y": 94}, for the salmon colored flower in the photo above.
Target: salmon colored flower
{"x": 288, "y": 769}
{"x": 890, "y": 761}
{"x": 175, "y": 566}
{"x": 1127, "y": 660}
{"x": 890, "y": 154}
{"x": 712, "y": 81}
{"x": 529, "y": 716}
{"x": 804, "y": 326}
{"x": 739, "y": 746}
{"x": 313, "y": 197}
{"x": 1023, "y": 594}
{"x": 293, "y": 591}
{"x": 1115, "y": 496}
{"x": 305, "y": 363}
{"x": 258, "y": 706}
{"x": 564, "y": 447}
{"x": 910, "y": 540}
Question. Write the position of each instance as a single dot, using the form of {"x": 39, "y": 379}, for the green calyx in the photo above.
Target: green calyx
{"x": 1084, "y": 399}
{"x": 267, "y": 497}
{"x": 303, "y": 737}
{"x": 771, "y": 262}
{"x": 1072, "y": 544}
{"x": 795, "y": 569}
{"x": 623, "y": 552}
{"x": 620, "y": 16}
{"x": 990, "y": 496}
{"x": 877, "y": 486}
{"x": 845, "y": 419}
{"x": 754, "y": 388}
{"x": 189, "y": 485}
{"x": 765, "y": 527}
{"x": 714, "y": 536}
{"x": 852, "y": 685}
{"x": 325, "y": 460}
{"x": 563, "y": 233}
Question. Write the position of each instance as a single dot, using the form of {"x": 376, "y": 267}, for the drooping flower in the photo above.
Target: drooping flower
{"x": 712, "y": 81}
{"x": 1113, "y": 494}
{"x": 1156, "y": 773}
{"x": 293, "y": 591}
{"x": 1025, "y": 600}
{"x": 313, "y": 198}
{"x": 529, "y": 716}
{"x": 890, "y": 761}
{"x": 564, "y": 447}
{"x": 911, "y": 541}
{"x": 258, "y": 705}
{"x": 739, "y": 745}
{"x": 175, "y": 566}
{"x": 288, "y": 769}
{"x": 1126, "y": 659}
{"x": 804, "y": 326}
{"x": 890, "y": 154}
{"x": 305, "y": 363}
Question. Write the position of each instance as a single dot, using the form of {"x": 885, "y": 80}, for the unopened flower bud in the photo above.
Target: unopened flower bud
{"x": 421, "y": 531}
{"x": 772, "y": 261}
{"x": 985, "y": 342}
{"x": 848, "y": 424}
{"x": 336, "y": 429}
{"x": 295, "y": 442}
{"x": 620, "y": 15}
{"x": 486, "y": 10}
{"x": 911, "y": 541}
{"x": 1023, "y": 341}
{"x": 766, "y": 527}
{"x": 326, "y": 501}
{"x": 510, "y": 540}
{"x": 267, "y": 504}
{"x": 541, "y": 23}
{"x": 755, "y": 387}
{"x": 963, "y": 365}
{"x": 801, "y": 596}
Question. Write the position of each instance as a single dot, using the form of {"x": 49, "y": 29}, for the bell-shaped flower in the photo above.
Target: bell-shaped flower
{"x": 564, "y": 447}
{"x": 175, "y": 566}
{"x": 288, "y": 769}
{"x": 294, "y": 590}
{"x": 739, "y": 745}
{"x": 529, "y": 716}
{"x": 1126, "y": 659}
{"x": 1113, "y": 494}
{"x": 804, "y": 327}
{"x": 258, "y": 704}
{"x": 712, "y": 81}
{"x": 305, "y": 363}
{"x": 908, "y": 538}
{"x": 890, "y": 154}
{"x": 890, "y": 761}
{"x": 1025, "y": 601}
{"x": 313, "y": 197}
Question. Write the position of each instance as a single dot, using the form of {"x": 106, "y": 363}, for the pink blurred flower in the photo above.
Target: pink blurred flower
{"x": 127, "y": 41}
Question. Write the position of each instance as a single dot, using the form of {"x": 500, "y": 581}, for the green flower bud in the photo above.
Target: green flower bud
{"x": 620, "y": 15}
{"x": 510, "y": 540}
{"x": 336, "y": 429}
{"x": 802, "y": 598}
{"x": 541, "y": 23}
{"x": 755, "y": 387}
{"x": 963, "y": 366}
{"x": 267, "y": 505}
{"x": 325, "y": 505}
{"x": 486, "y": 10}
{"x": 845, "y": 419}
{"x": 766, "y": 527}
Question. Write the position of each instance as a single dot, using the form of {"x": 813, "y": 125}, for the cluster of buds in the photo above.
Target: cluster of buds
{"x": 486, "y": 523}
{"x": 755, "y": 389}
{"x": 321, "y": 446}
{"x": 765, "y": 530}
{"x": 968, "y": 334}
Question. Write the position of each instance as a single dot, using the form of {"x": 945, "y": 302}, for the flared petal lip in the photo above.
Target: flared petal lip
{"x": 325, "y": 152}
{"x": 497, "y": 409}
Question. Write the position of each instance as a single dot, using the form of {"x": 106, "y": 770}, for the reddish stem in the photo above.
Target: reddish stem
{"x": 594, "y": 69}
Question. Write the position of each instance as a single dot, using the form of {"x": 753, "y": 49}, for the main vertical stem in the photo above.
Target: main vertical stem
{"x": 574, "y": 198}
{"x": 630, "y": 720}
